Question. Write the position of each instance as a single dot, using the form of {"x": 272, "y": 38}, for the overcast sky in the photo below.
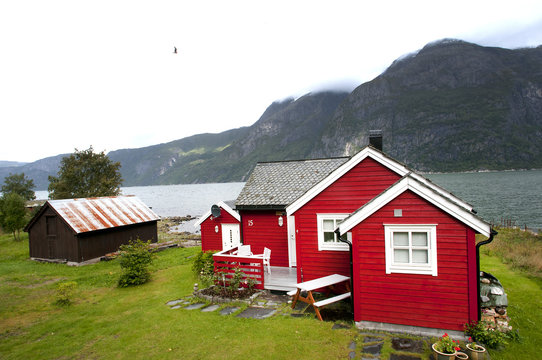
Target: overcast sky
{"x": 103, "y": 73}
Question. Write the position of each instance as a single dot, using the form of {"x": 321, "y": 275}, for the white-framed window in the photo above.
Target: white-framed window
{"x": 411, "y": 249}
{"x": 327, "y": 239}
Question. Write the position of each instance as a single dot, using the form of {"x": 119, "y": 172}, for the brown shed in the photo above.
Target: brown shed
{"x": 77, "y": 230}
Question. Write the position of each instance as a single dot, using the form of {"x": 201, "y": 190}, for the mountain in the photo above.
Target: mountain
{"x": 11, "y": 163}
{"x": 451, "y": 106}
{"x": 37, "y": 170}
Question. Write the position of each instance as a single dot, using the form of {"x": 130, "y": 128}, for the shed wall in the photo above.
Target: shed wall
{"x": 361, "y": 184}
{"x": 210, "y": 239}
{"x": 442, "y": 301}
{"x": 261, "y": 229}
{"x": 98, "y": 243}
{"x": 56, "y": 243}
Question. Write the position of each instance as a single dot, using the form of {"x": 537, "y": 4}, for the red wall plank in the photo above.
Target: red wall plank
{"x": 361, "y": 184}
{"x": 261, "y": 229}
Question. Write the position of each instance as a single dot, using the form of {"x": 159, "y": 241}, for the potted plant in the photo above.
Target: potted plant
{"x": 445, "y": 348}
{"x": 475, "y": 351}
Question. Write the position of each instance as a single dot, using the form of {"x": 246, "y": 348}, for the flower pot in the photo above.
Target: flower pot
{"x": 477, "y": 354}
{"x": 442, "y": 356}
{"x": 461, "y": 356}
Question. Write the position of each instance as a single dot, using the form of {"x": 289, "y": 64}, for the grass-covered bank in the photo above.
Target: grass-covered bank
{"x": 514, "y": 258}
{"x": 107, "y": 322}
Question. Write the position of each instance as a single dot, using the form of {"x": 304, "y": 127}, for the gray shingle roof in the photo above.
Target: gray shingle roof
{"x": 278, "y": 184}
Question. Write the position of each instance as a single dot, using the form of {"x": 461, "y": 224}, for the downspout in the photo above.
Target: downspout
{"x": 351, "y": 269}
{"x": 490, "y": 239}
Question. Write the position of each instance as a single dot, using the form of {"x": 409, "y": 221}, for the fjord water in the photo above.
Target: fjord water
{"x": 510, "y": 195}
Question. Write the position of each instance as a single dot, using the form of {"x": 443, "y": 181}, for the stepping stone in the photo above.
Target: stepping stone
{"x": 339, "y": 326}
{"x": 272, "y": 303}
{"x": 296, "y": 315}
{"x": 210, "y": 308}
{"x": 195, "y": 306}
{"x": 257, "y": 313}
{"x": 373, "y": 349}
{"x": 410, "y": 345}
{"x": 369, "y": 339}
{"x": 352, "y": 355}
{"x": 174, "y": 302}
{"x": 404, "y": 357}
{"x": 176, "y": 307}
{"x": 352, "y": 345}
{"x": 228, "y": 310}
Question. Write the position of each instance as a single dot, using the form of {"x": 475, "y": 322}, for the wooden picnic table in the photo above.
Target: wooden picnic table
{"x": 328, "y": 283}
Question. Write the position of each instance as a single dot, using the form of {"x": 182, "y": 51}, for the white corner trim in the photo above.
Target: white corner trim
{"x": 224, "y": 206}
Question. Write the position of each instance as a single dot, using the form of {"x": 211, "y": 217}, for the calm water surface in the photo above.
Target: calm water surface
{"x": 511, "y": 195}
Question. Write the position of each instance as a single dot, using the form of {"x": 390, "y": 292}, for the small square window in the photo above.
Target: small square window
{"x": 327, "y": 239}
{"x": 411, "y": 249}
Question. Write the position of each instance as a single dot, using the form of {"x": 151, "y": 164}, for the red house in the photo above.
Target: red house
{"x": 413, "y": 247}
{"x": 220, "y": 231}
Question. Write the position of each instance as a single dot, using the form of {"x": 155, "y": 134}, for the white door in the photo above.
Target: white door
{"x": 291, "y": 241}
{"x": 231, "y": 237}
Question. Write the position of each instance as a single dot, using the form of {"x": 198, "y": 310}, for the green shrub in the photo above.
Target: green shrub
{"x": 135, "y": 260}
{"x": 64, "y": 292}
{"x": 204, "y": 265}
{"x": 483, "y": 332}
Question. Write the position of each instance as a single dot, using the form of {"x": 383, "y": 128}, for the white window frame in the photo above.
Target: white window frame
{"x": 411, "y": 268}
{"x": 334, "y": 246}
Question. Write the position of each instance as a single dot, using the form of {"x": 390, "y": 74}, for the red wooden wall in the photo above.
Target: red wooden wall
{"x": 261, "y": 229}
{"x": 210, "y": 239}
{"x": 361, "y": 184}
{"x": 446, "y": 301}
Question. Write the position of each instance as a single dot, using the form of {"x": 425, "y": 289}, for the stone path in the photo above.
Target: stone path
{"x": 365, "y": 346}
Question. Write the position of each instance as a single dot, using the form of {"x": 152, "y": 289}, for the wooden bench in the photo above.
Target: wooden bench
{"x": 331, "y": 300}
{"x": 327, "y": 283}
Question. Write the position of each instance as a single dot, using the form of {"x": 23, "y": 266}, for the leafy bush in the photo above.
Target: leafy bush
{"x": 135, "y": 260}
{"x": 64, "y": 292}
{"x": 203, "y": 265}
{"x": 484, "y": 333}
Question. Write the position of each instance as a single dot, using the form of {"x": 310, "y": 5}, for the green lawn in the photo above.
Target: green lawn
{"x": 106, "y": 322}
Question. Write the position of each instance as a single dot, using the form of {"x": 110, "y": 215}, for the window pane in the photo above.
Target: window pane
{"x": 419, "y": 239}
{"x": 400, "y": 239}
{"x": 329, "y": 225}
{"x": 420, "y": 257}
{"x": 329, "y": 237}
{"x": 400, "y": 256}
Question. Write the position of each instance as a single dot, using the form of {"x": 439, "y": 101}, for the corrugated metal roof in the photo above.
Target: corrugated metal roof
{"x": 90, "y": 214}
{"x": 280, "y": 183}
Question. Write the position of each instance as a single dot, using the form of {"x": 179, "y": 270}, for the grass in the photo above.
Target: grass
{"x": 106, "y": 322}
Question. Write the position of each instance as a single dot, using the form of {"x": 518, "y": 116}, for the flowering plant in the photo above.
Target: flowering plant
{"x": 473, "y": 345}
{"x": 446, "y": 345}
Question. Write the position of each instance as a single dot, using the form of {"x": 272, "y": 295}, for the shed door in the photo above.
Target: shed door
{"x": 231, "y": 237}
{"x": 50, "y": 224}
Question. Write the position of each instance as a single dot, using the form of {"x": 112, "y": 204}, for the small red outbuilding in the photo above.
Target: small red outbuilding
{"x": 220, "y": 231}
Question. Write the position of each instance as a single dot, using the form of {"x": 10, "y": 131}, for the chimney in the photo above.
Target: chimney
{"x": 375, "y": 139}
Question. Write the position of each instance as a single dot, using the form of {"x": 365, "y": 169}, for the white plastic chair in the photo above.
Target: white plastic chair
{"x": 244, "y": 250}
{"x": 267, "y": 259}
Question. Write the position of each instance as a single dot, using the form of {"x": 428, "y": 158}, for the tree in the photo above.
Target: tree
{"x": 13, "y": 214}
{"x": 85, "y": 174}
{"x": 19, "y": 184}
